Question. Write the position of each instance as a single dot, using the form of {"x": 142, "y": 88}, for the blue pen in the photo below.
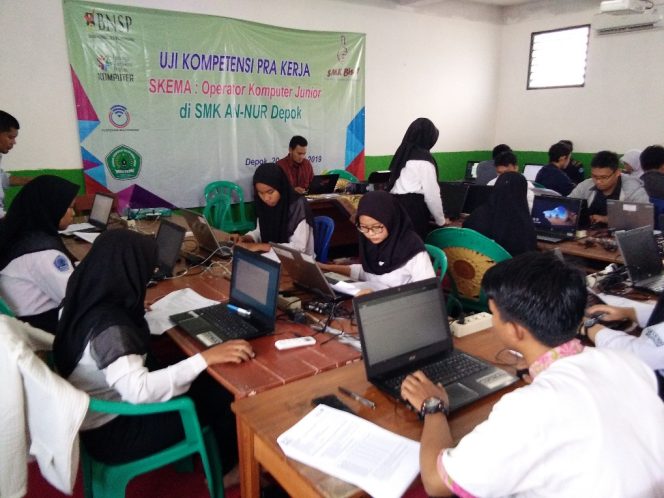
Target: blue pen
{"x": 240, "y": 311}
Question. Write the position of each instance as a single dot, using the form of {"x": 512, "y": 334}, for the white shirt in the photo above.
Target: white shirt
{"x": 302, "y": 239}
{"x": 35, "y": 282}
{"x": 419, "y": 177}
{"x": 4, "y": 183}
{"x": 128, "y": 379}
{"x": 589, "y": 425}
{"x": 417, "y": 268}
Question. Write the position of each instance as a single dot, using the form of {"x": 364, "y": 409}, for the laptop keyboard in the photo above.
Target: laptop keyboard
{"x": 215, "y": 324}
{"x": 551, "y": 237}
{"x": 456, "y": 366}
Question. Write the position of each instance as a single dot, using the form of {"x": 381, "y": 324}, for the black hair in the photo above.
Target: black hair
{"x": 558, "y": 150}
{"x": 652, "y": 157}
{"x": 499, "y": 149}
{"x": 7, "y": 122}
{"x": 569, "y": 144}
{"x": 505, "y": 159}
{"x": 539, "y": 292}
{"x": 296, "y": 141}
{"x": 605, "y": 159}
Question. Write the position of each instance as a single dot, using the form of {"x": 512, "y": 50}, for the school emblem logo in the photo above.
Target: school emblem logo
{"x": 124, "y": 163}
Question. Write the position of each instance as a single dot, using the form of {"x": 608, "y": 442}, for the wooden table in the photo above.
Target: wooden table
{"x": 261, "y": 419}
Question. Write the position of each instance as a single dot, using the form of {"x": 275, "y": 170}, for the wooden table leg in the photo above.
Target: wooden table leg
{"x": 249, "y": 468}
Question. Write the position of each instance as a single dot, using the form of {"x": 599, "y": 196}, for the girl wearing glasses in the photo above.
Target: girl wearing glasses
{"x": 391, "y": 253}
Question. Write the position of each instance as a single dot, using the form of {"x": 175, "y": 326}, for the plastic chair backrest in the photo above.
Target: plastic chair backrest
{"x": 469, "y": 255}
{"x": 438, "y": 260}
{"x": 323, "y": 230}
{"x": 344, "y": 175}
{"x": 5, "y": 309}
{"x": 225, "y": 208}
{"x": 109, "y": 481}
{"x": 658, "y": 204}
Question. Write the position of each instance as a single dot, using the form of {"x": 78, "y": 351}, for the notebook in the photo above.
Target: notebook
{"x": 627, "y": 215}
{"x": 169, "y": 241}
{"x": 322, "y": 184}
{"x": 530, "y": 171}
{"x": 99, "y": 214}
{"x": 642, "y": 259}
{"x": 453, "y": 195}
{"x": 254, "y": 289}
{"x": 556, "y": 218}
{"x": 204, "y": 235}
{"x": 404, "y": 329}
{"x": 471, "y": 171}
{"x": 476, "y": 196}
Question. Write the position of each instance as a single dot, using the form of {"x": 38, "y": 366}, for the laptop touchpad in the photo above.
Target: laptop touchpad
{"x": 459, "y": 394}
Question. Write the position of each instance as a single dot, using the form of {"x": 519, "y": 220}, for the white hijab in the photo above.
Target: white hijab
{"x": 633, "y": 158}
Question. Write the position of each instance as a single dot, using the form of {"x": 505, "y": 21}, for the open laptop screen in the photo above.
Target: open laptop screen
{"x": 556, "y": 214}
{"x": 530, "y": 171}
{"x": 400, "y": 323}
{"x": 640, "y": 253}
{"x": 169, "y": 241}
{"x": 101, "y": 210}
{"x": 471, "y": 170}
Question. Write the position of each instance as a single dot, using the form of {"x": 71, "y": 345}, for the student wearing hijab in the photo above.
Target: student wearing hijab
{"x": 102, "y": 344}
{"x": 391, "y": 253}
{"x": 283, "y": 215}
{"x": 414, "y": 176}
{"x": 34, "y": 263}
{"x": 505, "y": 217}
{"x": 631, "y": 161}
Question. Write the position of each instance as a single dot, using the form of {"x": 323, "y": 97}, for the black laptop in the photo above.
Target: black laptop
{"x": 453, "y": 195}
{"x": 254, "y": 291}
{"x": 404, "y": 329}
{"x": 471, "y": 171}
{"x": 642, "y": 258}
{"x": 628, "y": 215}
{"x": 556, "y": 218}
{"x": 169, "y": 241}
{"x": 322, "y": 184}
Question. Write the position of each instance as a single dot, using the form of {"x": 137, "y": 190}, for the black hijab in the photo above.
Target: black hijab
{"x": 33, "y": 219}
{"x": 107, "y": 292}
{"x": 420, "y": 136}
{"x": 278, "y": 223}
{"x": 505, "y": 217}
{"x": 401, "y": 244}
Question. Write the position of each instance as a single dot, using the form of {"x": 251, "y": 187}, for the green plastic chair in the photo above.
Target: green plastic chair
{"x": 222, "y": 212}
{"x": 5, "y": 309}
{"x": 469, "y": 254}
{"x": 344, "y": 175}
{"x": 109, "y": 481}
{"x": 438, "y": 260}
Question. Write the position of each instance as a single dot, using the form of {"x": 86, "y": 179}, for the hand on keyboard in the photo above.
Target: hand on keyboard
{"x": 235, "y": 351}
{"x": 417, "y": 387}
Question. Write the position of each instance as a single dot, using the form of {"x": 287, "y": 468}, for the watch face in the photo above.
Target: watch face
{"x": 432, "y": 405}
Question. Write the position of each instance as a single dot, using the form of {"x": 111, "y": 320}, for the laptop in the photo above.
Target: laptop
{"x": 204, "y": 235}
{"x": 252, "y": 307}
{"x": 322, "y": 184}
{"x": 642, "y": 258}
{"x": 99, "y": 214}
{"x": 476, "y": 196}
{"x": 404, "y": 329}
{"x": 530, "y": 171}
{"x": 169, "y": 241}
{"x": 471, "y": 171}
{"x": 556, "y": 218}
{"x": 627, "y": 215}
{"x": 453, "y": 195}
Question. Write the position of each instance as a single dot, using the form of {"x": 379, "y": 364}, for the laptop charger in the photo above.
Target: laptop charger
{"x": 472, "y": 323}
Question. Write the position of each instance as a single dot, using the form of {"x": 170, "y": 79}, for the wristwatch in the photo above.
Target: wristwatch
{"x": 433, "y": 405}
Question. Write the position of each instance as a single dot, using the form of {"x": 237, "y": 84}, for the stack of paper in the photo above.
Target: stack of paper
{"x": 176, "y": 302}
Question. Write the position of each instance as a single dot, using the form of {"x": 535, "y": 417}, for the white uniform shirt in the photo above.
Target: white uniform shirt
{"x": 128, "y": 379}
{"x": 419, "y": 177}
{"x": 589, "y": 425}
{"x": 35, "y": 282}
{"x": 302, "y": 239}
{"x": 415, "y": 269}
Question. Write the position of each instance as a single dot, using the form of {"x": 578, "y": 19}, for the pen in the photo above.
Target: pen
{"x": 358, "y": 398}
{"x": 240, "y": 311}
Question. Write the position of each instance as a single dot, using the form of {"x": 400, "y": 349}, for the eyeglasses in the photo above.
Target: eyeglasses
{"x": 373, "y": 230}
{"x": 602, "y": 178}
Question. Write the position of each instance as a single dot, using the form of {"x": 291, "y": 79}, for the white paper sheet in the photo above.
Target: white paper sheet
{"x": 355, "y": 287}
{"x": 177, "y": 301}
{"x": 350, "y": 448}
{"x": 75, "y": 227}
{"x": 87, "y": 236}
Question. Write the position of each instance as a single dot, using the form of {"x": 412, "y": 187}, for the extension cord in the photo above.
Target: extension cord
{"x": 472, "y": 323}
{"x": 289, "y": 303}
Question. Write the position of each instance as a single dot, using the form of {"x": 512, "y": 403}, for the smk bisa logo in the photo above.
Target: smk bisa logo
{"x": 108, "y": 22}
{"x": 124, "y": 163}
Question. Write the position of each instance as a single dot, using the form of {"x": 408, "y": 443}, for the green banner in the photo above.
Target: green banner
{"x": 168, "y": 102}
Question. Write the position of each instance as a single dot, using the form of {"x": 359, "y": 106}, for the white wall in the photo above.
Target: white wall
{"x": 416, "y": 65}
{"x": 620, "y": 107}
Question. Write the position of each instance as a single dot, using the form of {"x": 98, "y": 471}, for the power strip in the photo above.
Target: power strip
{"x": 289, "y": 303}
{"x": 473, "y": 323}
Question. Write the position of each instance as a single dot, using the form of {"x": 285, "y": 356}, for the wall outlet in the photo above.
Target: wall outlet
{"x": 473, "y": 323}
{"x": 289, "y": 303}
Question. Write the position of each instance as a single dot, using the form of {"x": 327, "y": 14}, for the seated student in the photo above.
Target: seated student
{"x": 574, "y": 169}
{"x": 414, "y": 176}
{"x": 631, "y": 161}
{"x": 102, "y": 345}
{"x": 506, "y": 162}
{"x": 8, "y": 132}
{"x": 283, "y": 215}
{"x": 589, "y": 424}
{"x": 297, "y": 167}
{"x": 391, "y": 253}
{"x": 652, "y": 162}
{"x": 505, "y": 217}
{"x": 606, "y": 182}
{"x": 486, "y": 170}
{"x": 552, "y": 176}
{"x": 34, "y": 263}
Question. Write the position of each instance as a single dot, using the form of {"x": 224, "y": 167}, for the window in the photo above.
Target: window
{"x": 558, "y": 58}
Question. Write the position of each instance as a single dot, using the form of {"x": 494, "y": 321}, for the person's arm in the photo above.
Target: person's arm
{"x": 432, "y": 193}
{"x": 420, "y": 267}
{"x": 564, "y": 183}
{"x": 50, "y": 271}
{"x": 302, "y": 238}
{"x": 340, "y": 269}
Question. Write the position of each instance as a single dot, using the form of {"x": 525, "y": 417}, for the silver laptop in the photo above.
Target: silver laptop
{"x": 99, "y": 214}
{"x": 204, "y": 235}
{"x": 642, "y": 258}
{"x": 628, "y": 215}
{"x": 404, "y": 329}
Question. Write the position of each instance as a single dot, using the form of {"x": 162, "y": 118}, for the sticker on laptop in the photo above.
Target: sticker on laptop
{"x": 496, "y": 379}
